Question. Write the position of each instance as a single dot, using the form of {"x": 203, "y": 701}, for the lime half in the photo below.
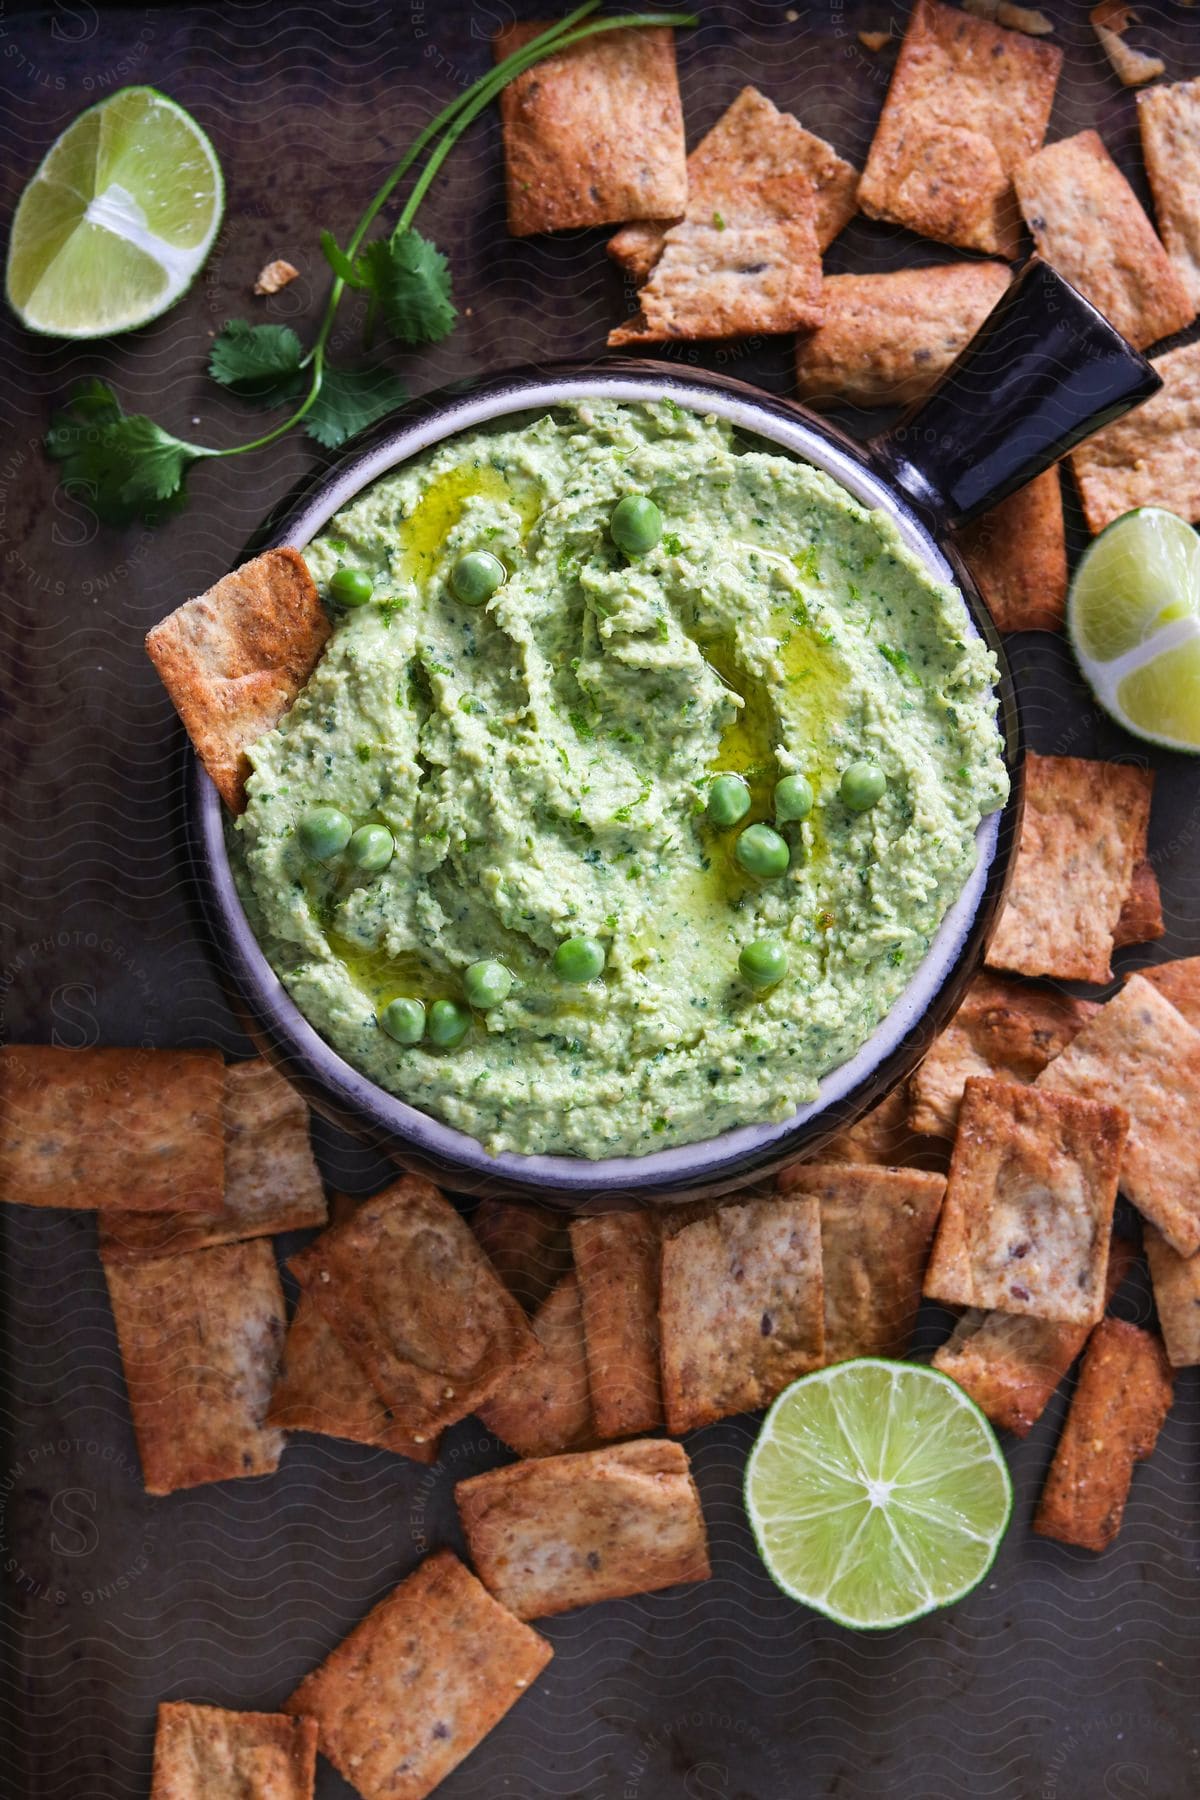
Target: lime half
{"x": 116, "y": 223}
{"x": 1133, "y": 614}
{"x": 877, "y": 1492}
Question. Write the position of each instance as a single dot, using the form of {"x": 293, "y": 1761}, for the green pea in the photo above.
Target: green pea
{"x": 793, "y": 798}
{"x": 728, "y": 801}
{"x": 487, "y": 984}
{"x": 636, "y": 525}
{"x": 404, "y": 1020}
{"x": 371, "y": 848}
{"x": 324, "y": 832}
{"x": 762, "y": 852}
{"x": 863, "y": 783}
{"x": 351, "y": 587}
{"x": 763, "y": 962}
{"x": 579, "y": 959}
{"x": 476, "y": 576}
{"x": 447, "y": 1023}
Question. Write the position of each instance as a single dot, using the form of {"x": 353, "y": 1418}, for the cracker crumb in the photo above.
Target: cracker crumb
{"x": 874, "y": 40}
{"x": 275, "y": 275}
{"x": 1133, "y": 67}
{"x": 1024, "y": 18}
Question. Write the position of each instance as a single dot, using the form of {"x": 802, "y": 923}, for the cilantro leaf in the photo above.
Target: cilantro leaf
{"x": 126, "y": 466}
{"x": 350, "y": 400}
{"x": 259, "y": 362}
{"x": 408, "y": 278}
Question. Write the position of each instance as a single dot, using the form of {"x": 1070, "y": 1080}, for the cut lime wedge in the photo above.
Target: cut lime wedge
{"x": 118, "y": 220}
{"x": 1133, "y": 614}
{"x": 877, "y": 1492}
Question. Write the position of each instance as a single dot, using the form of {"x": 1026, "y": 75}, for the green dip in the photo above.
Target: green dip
{"x": 542, "y": 763}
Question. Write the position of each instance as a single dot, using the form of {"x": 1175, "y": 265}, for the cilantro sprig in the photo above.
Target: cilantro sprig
{"x": 129, "y": 467}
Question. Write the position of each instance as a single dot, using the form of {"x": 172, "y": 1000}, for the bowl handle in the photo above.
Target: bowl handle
{"x": 1043, "y": 371}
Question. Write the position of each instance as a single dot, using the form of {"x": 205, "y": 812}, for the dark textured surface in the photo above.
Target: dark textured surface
{"x": 1065, "y": 1676}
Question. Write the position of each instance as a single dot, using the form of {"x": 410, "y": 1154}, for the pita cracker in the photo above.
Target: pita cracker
{"x": 742, "y": 1309}
{"x": 594, "y": 134}
{"x": 1140, "y": 1049}
{"x": 617, "y": 1260}
{"x": 1017, "y": 553}
{"x": 1087, "y": 222}
{"x": 1152, "y": 456}
{"x": 1028, "y": 1212}
{"x": 1080, "y": 836}
{"x": 572, "y": 1530}
{"x": 527, "y": 1246}
{"x": 206, "y": 1753}
{"x": 884, "y": 1138}
{"x": 1009, "y": 1029}
{"x": 200, "y": 1338}
{"x": 1176, "y": 1282}
{"x": 546, "y": 1406}
{"x": 272, "y": 1182}
{"x": 1169, "y": 121}
{"x": 111, "y": 1130}
{"x": 887, "y": 340}
{"x": 234, "y": 660}
{"x": 876, "y": 1229}
{"x": 1141, "y": 919}
{"x": 416, "y": 1303}
{"x": 1123, "y": 1395}
{"x": 1178, "y": 982}
{"x": 750, "y": 142}
{"x": 420, "y": 1682}
{"x": 1011, "y": 1364}
{"x": 968, "y": 101}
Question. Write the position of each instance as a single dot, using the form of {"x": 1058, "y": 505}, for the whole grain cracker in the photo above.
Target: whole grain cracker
{"x": 1141, "y": 919}
{"x": 617, "y": 1260}
{"x": 568, "y": 1531}
{"x": 527, "y": 1246}
{"x": 1017, "y": 553}
{"x": 1176, "y": 1283}
{"x": 882, "y": 1137}
{"x": 419, "y": 1682}
{"x": 1169, "y": 121}
{"x": 546, "y": 1406}
{"x": 1179, "y": 982}
{"x": 1151, "y": 457}
{"x": 207, "y": 1753}
{"x": 1029, "y": 1202}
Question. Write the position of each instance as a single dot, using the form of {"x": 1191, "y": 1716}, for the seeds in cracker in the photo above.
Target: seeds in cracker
{"x": 593, "y": 134}
{"x": 112, "y": 1130}
{"x": 1151, "y": 457}
{"x": 567, "y": 1531}
{"x": 272, "y": 1182}
{"x": 546, "y": 1406}
{"x": 617, "y": 1260}
{"x": 1080, "y": 836}
{"x": 1178, "y": 982}
{"x": 1011, "y": 1364}
{"x": 1140, "y": 1048}
{"x": 968, "y": 101}
{"x": 1028, "y": 1211}
{"x": 888, "y": 339}
{"x": 274, "y": 276}
{"x": 200, "y": 1337}
{"x": 752, "y": 140}
{"x": 234, "y": 660}
{"x": 1087, "y": 222}
{"x": 1132, "y": 67}
{"x": 206, "y": 1753}
{"x": 1002, "y": 1028}
{"x": 420, "y": 1682}
{"x": 876, "y": 1229}
{"x": 1169, "y": 120}
{"x": 527, "y": 1246}
{"x": 1176, "y": 1283}
{"x": 1123, "y": 1395}
{"x": 1017, "y": 553}
{"x": 742, "y": 1309}
{"x": 416, "y": 1303}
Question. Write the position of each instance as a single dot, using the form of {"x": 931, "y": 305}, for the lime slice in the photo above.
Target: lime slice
{"x": 116, "y": 223}
{"x": 877, "y": 1492}
{"x": 1133, "y": 614}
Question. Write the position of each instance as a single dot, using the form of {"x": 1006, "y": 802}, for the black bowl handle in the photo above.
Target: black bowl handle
{"x": 1043, "y": 370}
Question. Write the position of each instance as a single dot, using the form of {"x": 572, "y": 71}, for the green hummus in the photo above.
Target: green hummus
{"x": 542, "y": 763}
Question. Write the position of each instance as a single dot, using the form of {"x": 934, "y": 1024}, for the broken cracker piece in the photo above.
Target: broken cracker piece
{"x": 1169, "y": 121}
{"x": 617, "y": 1260}
{"x": 1080, "y": 836}
{"x": 112, "y": 1130}
{"x": 1179, "y": 982}
{"x": 546, "y": 1406}
{"x": 1123, "y": 1395}
{"x": 1140, "y": 1049}
{"x": 527, "y": 1246}
{"x": 568, "y": 1531}
{"x": 1141, "y": 919}
{"x": 274, "y": 276}
{"x": 1176, "y": 1283}
{"x": 1017, "y": 553}
{"x": 1132, "y": 67}
{"x": 968, "y": 101}
{"x": 200, "y": 1336}
{"x": 207, "y": 1753}
{"x": 1027, "y": 1217}
{"x": 593, "y": 134}
{"x": 742, "y": 1309}
{"x": 874, "y": 40}
{"x": 1152, "y": 456}
{"x": 887, "y": 340}
{"x": 419, "y": 1682}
